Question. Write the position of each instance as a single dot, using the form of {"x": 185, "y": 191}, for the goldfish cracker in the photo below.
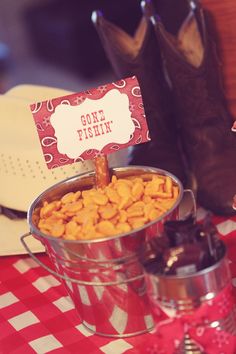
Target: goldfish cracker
{"x": 137, "y": 222}
{"x": 135, "y": 211}
{"x": 48, "y": 208}
{"x": 107, "y": 211}
{"x": 122, "y": 216}
{"x": 125, "y": 202}
{"x": 72, "y": 208}
{"x": 88, "y": 214}
{"x": 112, "y": 195}
{"x": 148, "y": 208}
{"x": 70, "y": 197}
{"x": 57, "y": 230}
{"x": 59, "y": 215}
{"x": 169, "y": 185}
{"x": 137, "y": 190}
{"x": 175, "y": 192}
{"x": 115, "y": 219}
{"x": 147, "y": 199}
{"x": 123, "y": 190}
{"x": 100, "y": 198}
{"x": 124, "y": 181}
{"x": 88, "y": 228}
{"x": 123, "y": 227}
{"x": 72, "y": 229}
{"x": 106, "y": 228}
{"x": 154, "y": 214}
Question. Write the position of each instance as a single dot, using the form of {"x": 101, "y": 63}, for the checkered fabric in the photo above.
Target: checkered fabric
{"x": 37, "y": 315}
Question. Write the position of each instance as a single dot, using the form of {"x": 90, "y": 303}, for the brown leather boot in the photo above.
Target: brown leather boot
{"x": 205, "y": 123}
{"x": 223, "y": 14}
{"x": 140, "y": 56}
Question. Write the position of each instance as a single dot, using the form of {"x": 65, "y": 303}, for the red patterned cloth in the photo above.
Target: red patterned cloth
{"x": 211, "y": 340}
{"x": 37, "y": 315}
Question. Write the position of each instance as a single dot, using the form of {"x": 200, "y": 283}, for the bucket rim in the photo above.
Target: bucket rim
{"x": 146, "y": 169}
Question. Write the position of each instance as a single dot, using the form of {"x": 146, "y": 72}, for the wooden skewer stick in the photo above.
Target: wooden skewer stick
{"x": 102, "y": 171}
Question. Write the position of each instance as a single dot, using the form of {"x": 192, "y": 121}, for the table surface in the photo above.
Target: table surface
{"x": 37, "y": 315}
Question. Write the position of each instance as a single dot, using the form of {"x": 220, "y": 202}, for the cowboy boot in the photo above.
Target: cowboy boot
{"x": 223, "y": 15}
{"x": 140, "y": 56}
{"x": 204, "y": 121}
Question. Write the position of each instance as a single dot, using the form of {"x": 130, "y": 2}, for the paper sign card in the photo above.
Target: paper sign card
{"x": 77, "y": 127}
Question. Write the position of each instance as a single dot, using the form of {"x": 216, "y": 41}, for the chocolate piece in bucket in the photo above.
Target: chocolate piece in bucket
{"x": 188, "y": 247}
{"x": 185, "y": 259}
{"x": 182, "y": 260}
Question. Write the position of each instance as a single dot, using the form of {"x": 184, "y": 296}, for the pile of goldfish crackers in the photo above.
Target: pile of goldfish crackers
{"x": 123, "y": 205}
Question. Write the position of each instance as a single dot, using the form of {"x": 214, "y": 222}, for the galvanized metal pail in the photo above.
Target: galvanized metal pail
{"x": 178, "y": 296}
{"x": 103, "y": 276}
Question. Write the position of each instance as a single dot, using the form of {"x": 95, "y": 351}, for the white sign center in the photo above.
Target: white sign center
{"x": 93, "y": 124}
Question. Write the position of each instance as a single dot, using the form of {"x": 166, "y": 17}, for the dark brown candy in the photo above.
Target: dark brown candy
{"x": 184, "y": 247}
{"x": 186, "y": 259}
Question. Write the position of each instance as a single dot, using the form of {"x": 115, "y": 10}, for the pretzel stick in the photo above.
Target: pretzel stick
{"x": 101, "y": 171}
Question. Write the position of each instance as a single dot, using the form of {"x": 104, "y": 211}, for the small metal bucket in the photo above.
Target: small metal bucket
{"x": 103, "y": 276}
{"x": 183, "y": 295}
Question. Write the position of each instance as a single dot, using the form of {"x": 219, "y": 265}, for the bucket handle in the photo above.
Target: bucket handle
{"x": 187, "y": 205}
{"x": 64, "y": 277}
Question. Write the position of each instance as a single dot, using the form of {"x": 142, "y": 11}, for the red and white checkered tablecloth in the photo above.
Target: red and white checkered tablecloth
{"x": 37, "y": 316}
